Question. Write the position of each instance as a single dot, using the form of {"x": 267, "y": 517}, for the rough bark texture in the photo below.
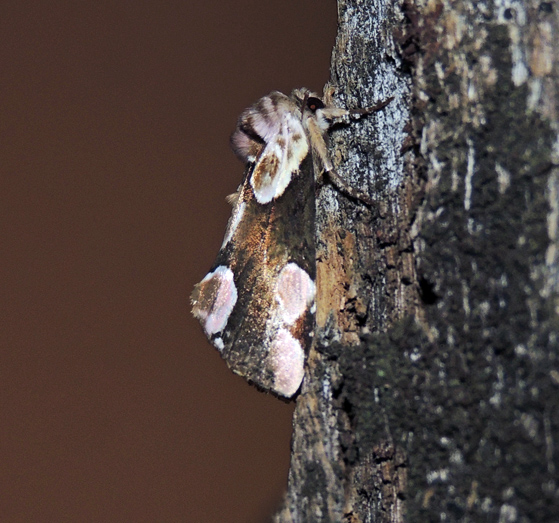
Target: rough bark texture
{"x": 432, "y": 390}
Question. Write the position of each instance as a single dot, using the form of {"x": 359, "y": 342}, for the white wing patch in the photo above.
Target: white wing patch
{"x": 287, "y": 361}
{"x": 295, "y": 293}
{"x": 213, "y": 300}
{"x": 279, "y": 160}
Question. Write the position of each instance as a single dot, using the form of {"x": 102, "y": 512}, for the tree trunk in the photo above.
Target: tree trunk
{"x": 432, "y": 389}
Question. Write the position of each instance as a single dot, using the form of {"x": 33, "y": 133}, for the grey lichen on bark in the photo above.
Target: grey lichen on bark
{"x": 432, "y": 388}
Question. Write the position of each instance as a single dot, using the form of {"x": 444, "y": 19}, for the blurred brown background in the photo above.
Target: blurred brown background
{"x": 115, "y": 120}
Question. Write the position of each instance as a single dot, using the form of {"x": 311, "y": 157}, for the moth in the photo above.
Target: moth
{"x": 257, "y": 303}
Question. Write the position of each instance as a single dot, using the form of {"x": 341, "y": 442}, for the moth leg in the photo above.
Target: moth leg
{"x": 318, "y": 144}
{"x": 345, "y": 188}
{"x": 333, "y": 113}
{"x": 233, "y": 198}
{"x": 320, "y": 148}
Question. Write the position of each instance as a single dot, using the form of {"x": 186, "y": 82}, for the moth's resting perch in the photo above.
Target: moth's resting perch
{"x": 440, "y": 402}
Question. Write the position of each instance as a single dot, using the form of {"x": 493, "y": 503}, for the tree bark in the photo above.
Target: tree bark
{"x": 432, "y": 388}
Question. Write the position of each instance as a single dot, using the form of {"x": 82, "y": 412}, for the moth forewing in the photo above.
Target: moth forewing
{"x": 270, "y": 254}
{"x": 255, "y": 303}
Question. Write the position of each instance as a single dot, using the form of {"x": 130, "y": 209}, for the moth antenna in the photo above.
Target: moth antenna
{"x": 372, "y": 109}
{"x": 334, "y": 113}
{"x": 304, "y": 104}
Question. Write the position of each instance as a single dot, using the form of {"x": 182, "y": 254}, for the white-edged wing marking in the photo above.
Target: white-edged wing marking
{"x": 295, "y": 293}
{"x": 287, "y": 360}
{"x": 213, "y": 300}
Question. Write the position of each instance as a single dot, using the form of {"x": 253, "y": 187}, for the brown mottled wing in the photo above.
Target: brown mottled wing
{"x": 264, "y": 270}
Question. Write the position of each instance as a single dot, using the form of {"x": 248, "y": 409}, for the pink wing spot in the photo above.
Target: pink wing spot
{"x": 295, "y": 292}
{"x": 214, "y": 298}
{"x": 287, "y": 361}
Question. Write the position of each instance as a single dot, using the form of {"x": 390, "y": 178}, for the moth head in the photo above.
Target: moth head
{"x": 307, "y": 101}
{"x": 314, "y": 104}
{"x": 316, "y": 108}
